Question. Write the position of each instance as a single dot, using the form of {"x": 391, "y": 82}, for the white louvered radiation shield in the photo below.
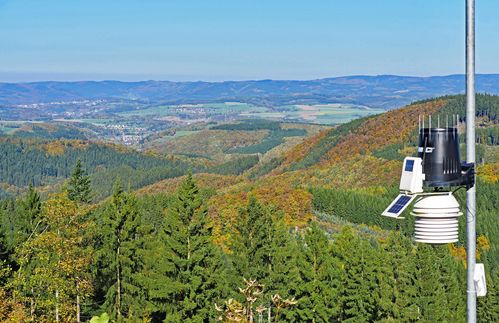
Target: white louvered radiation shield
{"x": 436, "y": 219}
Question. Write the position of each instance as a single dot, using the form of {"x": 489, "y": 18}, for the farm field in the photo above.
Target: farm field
{"x": 329, "y": 114}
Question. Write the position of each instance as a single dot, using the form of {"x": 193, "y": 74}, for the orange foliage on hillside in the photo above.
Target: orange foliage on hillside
{"x": 296, "y": 203}
{"x": 359, "y": 171}
{"x": 299, "y": 151}
{"x": 58, "y": 147}
{"x": 387, "y": 129}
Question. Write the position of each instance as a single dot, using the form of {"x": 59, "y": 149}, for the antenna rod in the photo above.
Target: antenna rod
{"x": 470, "y": 158}
{"x": 419, "y": 125}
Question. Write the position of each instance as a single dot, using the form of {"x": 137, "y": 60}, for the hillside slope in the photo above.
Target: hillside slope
{"x": 351, "y": 172}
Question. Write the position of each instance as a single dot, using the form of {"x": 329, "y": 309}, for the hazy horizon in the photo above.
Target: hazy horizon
{"x": 135, "y": 78}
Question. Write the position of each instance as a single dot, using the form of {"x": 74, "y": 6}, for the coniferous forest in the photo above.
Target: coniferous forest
{"x": 292, "y": 238}
{"x": 138, "y": 259}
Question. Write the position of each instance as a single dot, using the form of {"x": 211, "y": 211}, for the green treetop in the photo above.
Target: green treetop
{"x": 79, "y": 185}
{"x": 185, "y": 273}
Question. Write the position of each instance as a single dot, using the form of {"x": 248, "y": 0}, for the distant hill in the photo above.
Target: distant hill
{"x": 383, "y": 91}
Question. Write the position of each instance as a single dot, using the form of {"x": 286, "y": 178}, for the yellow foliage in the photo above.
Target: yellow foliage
{"x": 483, "y": 243}
{"x": 489, "y": 172}
{"x": 459, "y": 253}
{"x": 54, "y": 148}
{"x": 296, "y": 203}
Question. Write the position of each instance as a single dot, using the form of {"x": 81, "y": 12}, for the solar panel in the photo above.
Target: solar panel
{"x": 409, "y": 165}
{"x": 398, "y": 205}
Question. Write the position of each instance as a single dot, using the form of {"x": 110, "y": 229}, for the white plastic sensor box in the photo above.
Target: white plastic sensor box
{"x": 479, "y": 279}
{"x": 411, "y": 181}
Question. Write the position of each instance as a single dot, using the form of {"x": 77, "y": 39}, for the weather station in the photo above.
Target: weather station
{"x": 433, "y": 177}
{"x": 437, "y": 172}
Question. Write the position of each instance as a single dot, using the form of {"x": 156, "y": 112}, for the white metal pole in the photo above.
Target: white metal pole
{"x": 470, "y": 158}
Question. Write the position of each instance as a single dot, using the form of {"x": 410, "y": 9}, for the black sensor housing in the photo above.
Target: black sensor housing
{"x": 442, "y": 166}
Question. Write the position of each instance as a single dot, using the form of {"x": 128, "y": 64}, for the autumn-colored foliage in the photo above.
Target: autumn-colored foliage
{"x": 277, "y": 191}
{"x": 489, "y": 172}
{"x": 459, "y": 252}
{"x": 10, "y": 310}
{"x": 359, "y": 171}
{"x": 299, "y": 151}
{"x": 204, "y": 180}
{"x": 55, "y": 148}
{"x": 387, "y": 129}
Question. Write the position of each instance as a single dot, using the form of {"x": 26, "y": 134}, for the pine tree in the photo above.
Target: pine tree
{"x": 19, "y": 220}
{"x": 398, "y": 301}
{"x": 264, "y": 250}
{"x": 79, "y": 185}
{"x": 118, "y": 257}
{"x": 431, "y": 300}
{"x": 31, "y": 207}
{"x": 358, "y": 294}
{"x": 320, "y": 279}
{"x": 184, "y": 275}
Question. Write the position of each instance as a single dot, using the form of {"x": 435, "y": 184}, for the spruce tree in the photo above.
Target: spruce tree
{"x": 320, "y": 279}
{"x": 9, "y": 229}
{"x": 488, "y": 306}
{"x": 358, "y": 295}
{"x": 184, "y": 275}
{"x": 79, "y": 185}
{"x": 431, "y": 300}
{"x": 19, "y": 219}
{"x": 118, "y": 257}
{"x": 452, "y": 274}
{"x": 31, "y": 207}
{"x": 398, "y": 301}
{"x": 264, "y": 250}
{"x": 250, "y": 244}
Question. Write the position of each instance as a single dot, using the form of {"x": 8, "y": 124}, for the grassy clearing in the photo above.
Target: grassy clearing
{"x": 329, "y": 114}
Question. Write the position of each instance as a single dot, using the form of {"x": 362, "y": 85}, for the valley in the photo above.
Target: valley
{"x": 299, "y": 186}
{"x": 135, "y": 126}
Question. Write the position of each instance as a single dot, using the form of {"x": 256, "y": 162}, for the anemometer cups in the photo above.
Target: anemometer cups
{"x": 436, "y": 219}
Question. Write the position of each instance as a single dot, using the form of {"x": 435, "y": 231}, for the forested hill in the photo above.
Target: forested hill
{"x": 384, "y": 91}
{"x": 347, "y": 175}
{"x": 46, "y": 163}
{"x": 294, "y": 234}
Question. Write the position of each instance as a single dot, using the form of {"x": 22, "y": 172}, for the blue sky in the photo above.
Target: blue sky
{"x": 236, "y": 39}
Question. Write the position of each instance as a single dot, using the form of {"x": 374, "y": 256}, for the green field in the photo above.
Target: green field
{"x": 328, "y": 114}
{"x": 6, "y": 129}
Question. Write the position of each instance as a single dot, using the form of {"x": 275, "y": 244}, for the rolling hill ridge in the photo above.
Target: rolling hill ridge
{"x": 383, "y": 91}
